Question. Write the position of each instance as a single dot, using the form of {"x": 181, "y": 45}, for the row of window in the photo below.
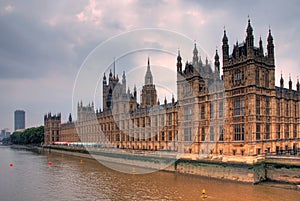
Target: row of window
{"x": 143, "y": 137}
{"x": 285, "y": 134}
{"x": 266, "y": 80}
{"x": 239, "y": 107}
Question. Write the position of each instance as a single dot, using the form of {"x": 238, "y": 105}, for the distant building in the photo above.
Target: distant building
{"x": 19, "y": 119}
{"x": 55, "y": 131}
{"x": 4, "y": 133}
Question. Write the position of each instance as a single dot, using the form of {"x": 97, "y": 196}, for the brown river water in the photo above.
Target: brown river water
{"x": 31, "y": 178}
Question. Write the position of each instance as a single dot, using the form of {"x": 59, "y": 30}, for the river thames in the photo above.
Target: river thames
{"x": 28, "y": 176}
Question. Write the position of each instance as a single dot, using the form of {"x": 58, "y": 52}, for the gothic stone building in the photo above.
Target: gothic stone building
{"x": 241, "y": 112}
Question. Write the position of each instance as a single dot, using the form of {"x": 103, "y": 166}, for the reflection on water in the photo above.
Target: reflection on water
{"x": 32, "y": 178}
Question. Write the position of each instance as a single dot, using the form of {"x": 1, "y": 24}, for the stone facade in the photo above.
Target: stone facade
{"x": 55, "y": 131}
{"x": 241, "y": 112}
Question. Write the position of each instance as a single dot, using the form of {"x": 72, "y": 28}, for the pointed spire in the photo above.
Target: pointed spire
{"x": 165, "y": 102}
{"x": 217, "y": 62}
{"x": 110, "y": 74}
{"x": 290, "y": 83}
{"x": 123, "y": 76}
{"x": 249, "y": 28}
{"x": 261, "y": 49}
{"x": 249, "y": 38}
{"x": 298, "y": 84}
{"x": 270, "y": 46}
{"x": 225, "y": 39}
{"x": 281, "y": 81}
{"x": 225, "y": 48}
{"x": 114, "y": 66}
{"x": 179, "y": 64}
{"x": 195, "y": 56}
{"x": 148, "y": 75}
{"x": 270, "y": 37}
{"x": 134, "y": 92}
{"x": 104, "y": 80}
{"x": 173, "y": 99}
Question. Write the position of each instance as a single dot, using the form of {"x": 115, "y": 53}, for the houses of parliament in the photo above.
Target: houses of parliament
{"x": 241, "y": 112}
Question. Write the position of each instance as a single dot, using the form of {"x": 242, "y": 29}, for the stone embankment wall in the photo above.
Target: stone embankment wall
{"x": 229, "y": 171}
{"x": 283, "y": 169}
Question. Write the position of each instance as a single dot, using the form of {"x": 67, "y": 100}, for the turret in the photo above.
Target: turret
{"x": 124, "y": 83}
{"x": 179, "y": 64}
{"x": 281, "y": 82}
{"x": 217, "y": 63}
{"x": 173, "y": 100}
{"x": 104, "y": 79}
{"x": 134, "y": 92}
{"x": 70, "y": 117}
{"x": 290, "y": 83}
{"x": 249, "y": 37}
{"x": 298, "y": 85}
{"x": 225, "y": 48}
{"x": 261, "y": 49}
{"x": 195, "y": 56}
{"x": 110, "y": 76}
{"x": 270, "y": 46}
{"x": 165, "y": 103}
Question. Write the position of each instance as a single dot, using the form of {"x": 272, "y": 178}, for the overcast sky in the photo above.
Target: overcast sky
{"x": 43, "y": 44}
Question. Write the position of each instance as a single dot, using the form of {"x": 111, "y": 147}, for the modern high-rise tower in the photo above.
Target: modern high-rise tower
{"x": 19, "y": 119}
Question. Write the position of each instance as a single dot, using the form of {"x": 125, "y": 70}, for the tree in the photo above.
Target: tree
{"x": 34, "y": 135}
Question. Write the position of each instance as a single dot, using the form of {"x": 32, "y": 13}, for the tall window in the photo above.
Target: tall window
{"x": 295, "y": 130}
{"x": 187, "y": 89}
{"x": 239, "y": 106}
{"x": 163, "y": 136}
{"x": 257, "y": 77}
{"x": 257, "y": 131}
{"x": 267, "y": 79}
{"x": 258, "y": 106}
{"x": 188, "y": 134}
{"x": 267, "y": 106}
{"x": 170, "y": 119}
{"x": 278, "y": 131}
{"x": 170, "y": 135}
{"x": 212, "y": 112}
{"x": 162, "y": 121}
{"x": 221, "y": 109}
{"x": 287, "y": 109}
{"x": 238, "y": 77}
{"x": 143, "y": 120}
{"x": 221, "y": 130}
{"x": 203, "y": 111}
{"x": 212, "y": 134}
{"x": 267, "y": 131}
{"x": 203, "y": 134}
{"x": 286, "y": 131}
{"x": 278, "y": 107}
{"x": 239, "y": 132}
{"x": 187, "y": 111}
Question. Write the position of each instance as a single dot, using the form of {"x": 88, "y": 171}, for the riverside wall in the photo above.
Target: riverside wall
{"x": 250, "y": 173}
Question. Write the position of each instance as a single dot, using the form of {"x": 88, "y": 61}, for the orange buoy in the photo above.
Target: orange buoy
{"x": 49, "y": 163}
{"x": 10, "y": 165}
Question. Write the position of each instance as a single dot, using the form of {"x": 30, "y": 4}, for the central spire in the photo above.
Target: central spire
{"x": 148, "y": 76}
